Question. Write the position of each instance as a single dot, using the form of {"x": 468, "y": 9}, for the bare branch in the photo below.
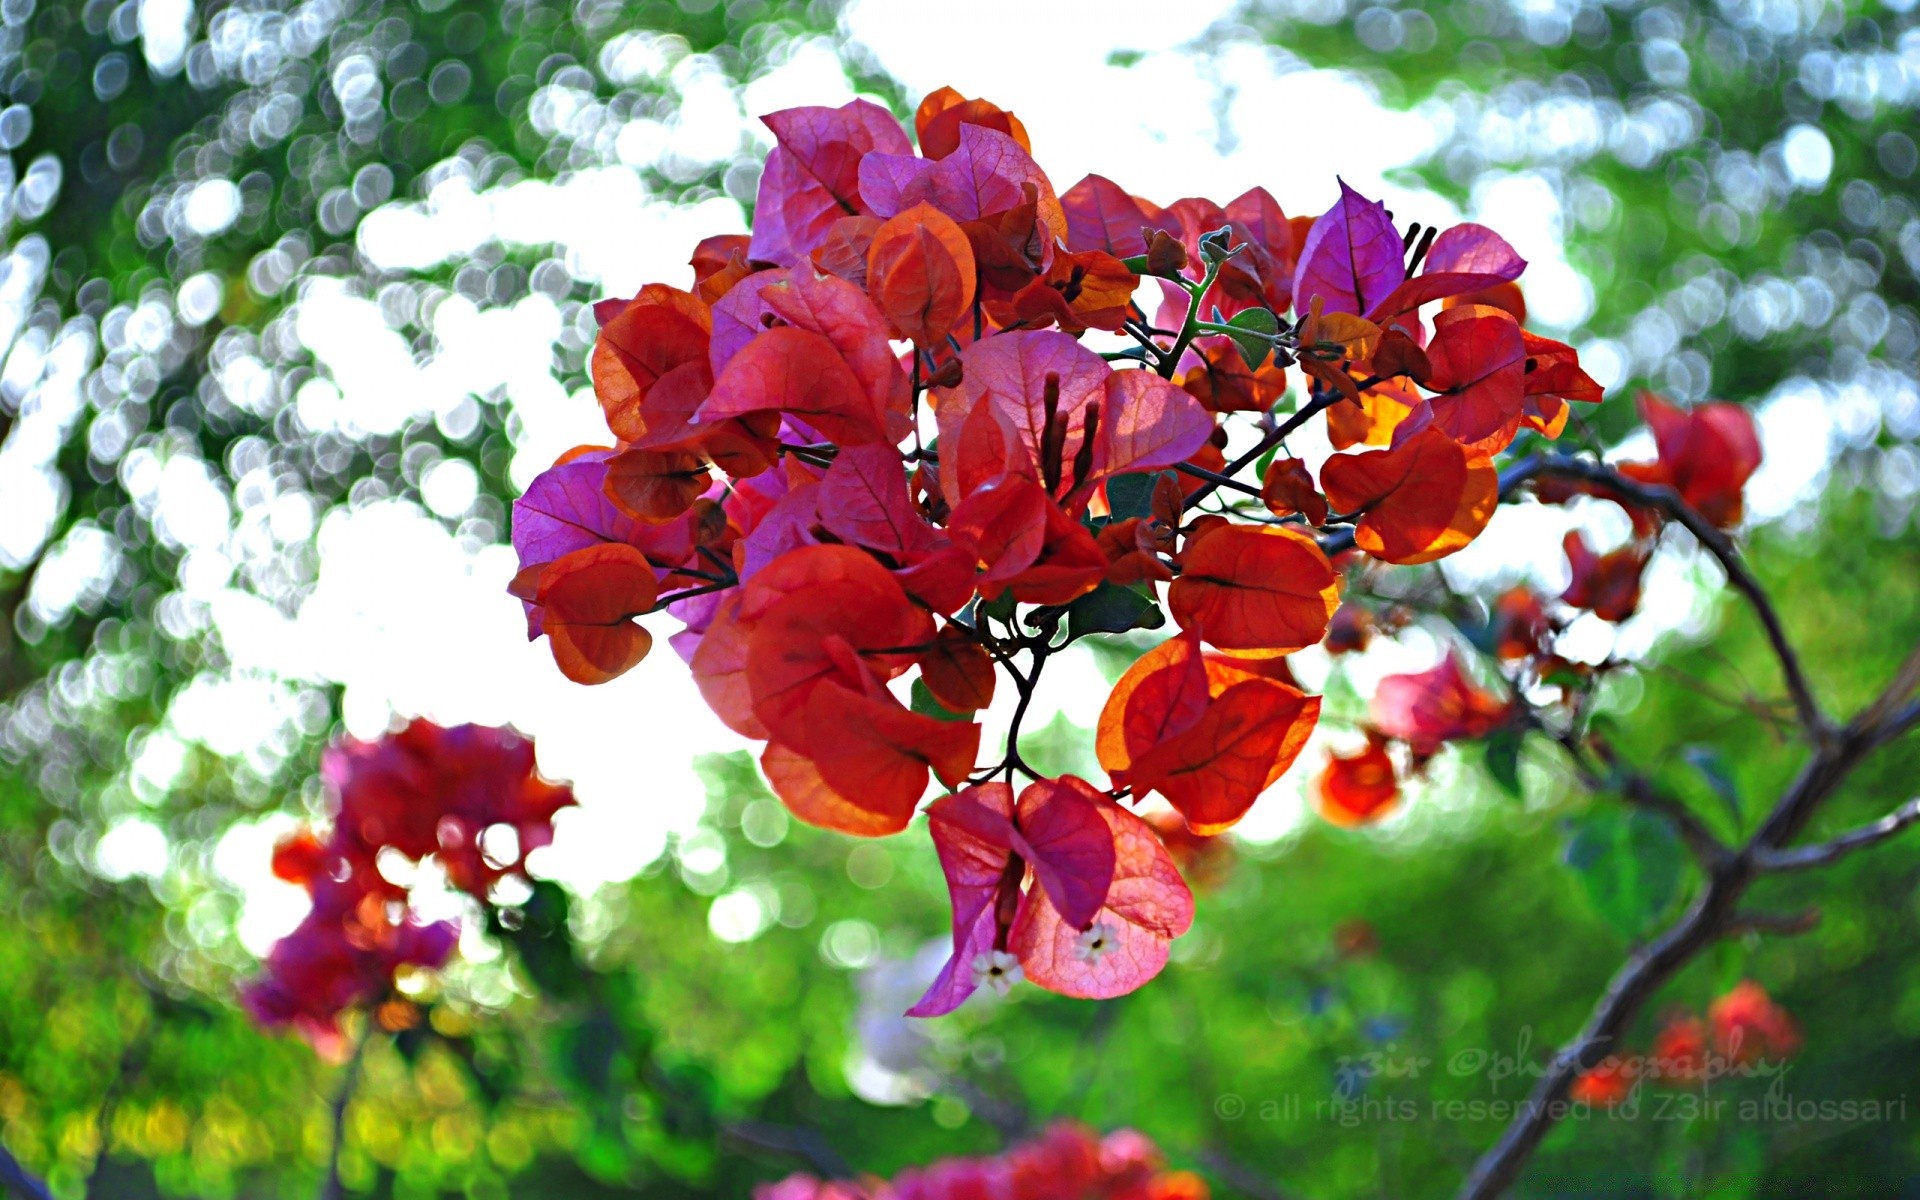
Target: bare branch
{"x": 1786, "y": 924}
{"x": 1905, "y": 682}
{"x": 1812, "y": 718}
{"x": 808, "y": 1145}
{"x": 1824, "y": 853}
{"x": 1712, "y": 915}
{"x": 332, "y": 1188}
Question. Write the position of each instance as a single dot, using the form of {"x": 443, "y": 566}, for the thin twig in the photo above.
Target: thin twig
{"x": 1280, "y": 433}
{"x": 1822, "y": 854}
{"x": 1215, "y": 478}
{"x": 1786, "y": 924}
{"x": 807, "y": 1145}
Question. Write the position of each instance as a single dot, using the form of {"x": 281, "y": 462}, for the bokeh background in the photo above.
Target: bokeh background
{"x": 294, "y": 300}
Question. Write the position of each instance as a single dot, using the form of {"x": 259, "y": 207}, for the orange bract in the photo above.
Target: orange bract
{"x": 1208, "y": 733}
{"x": 658, "y": 330}
{"x": 1288, "y": 489}
{"x": 651, "y": 485}
{"x": 1223, "y": 382}
{"x": 1423, "y": 499}
{"x": 938, "y": 120}
{"x": 920, "y": 273}
{"x": 591, "y": 597}
{"x": 1255, "y": 588}
{"x": 1358, "y": 789}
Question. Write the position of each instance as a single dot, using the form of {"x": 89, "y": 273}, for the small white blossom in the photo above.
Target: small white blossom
{"x": 998, "y": 970}
{"x": 1096, "y": 943}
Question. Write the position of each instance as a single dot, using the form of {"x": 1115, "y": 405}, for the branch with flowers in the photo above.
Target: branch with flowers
{"x": 917, "y": 431}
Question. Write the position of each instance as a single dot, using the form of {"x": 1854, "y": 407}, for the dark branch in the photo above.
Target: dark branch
{"x": 331, "y": 1188}
{"x": 1825, "y": 853}
{"x": 807, "y": 1145}
{"x": 1215, "y": 478}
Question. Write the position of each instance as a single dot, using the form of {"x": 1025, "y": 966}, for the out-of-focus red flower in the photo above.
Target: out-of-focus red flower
{"x": 1204, "y": 859}
{"x": 1748, "y": 1027}
{"x": 1608, "y": 1084}
{"x": 1358, "y": 789}
{"x": 1435, "y": 706}
{"x": 1520, "y": 624}
{"x": 1606, "y": 584}
{"x": 1680, "y": 1050}
{"x": 1706, "y": 455}
{"x": 469, "y": 795}
{"x": 1350, "y": 630}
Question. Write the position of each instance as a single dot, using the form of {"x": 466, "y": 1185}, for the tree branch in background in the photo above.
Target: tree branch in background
{"x": 332, "y": 1189}
{"x": 1826, "y": 853}
{"x": 1715, "y": 912}
{"x": 1716, "y": 543}
{"x": 805, "y": 1144}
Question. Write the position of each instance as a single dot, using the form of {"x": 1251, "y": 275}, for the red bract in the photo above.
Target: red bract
{"x": 1680, "y": 1053}
{"x": 1422, "y": 500}
{"x": 1706, "y": 455}
{"x": 1102, "y": 216}
{"x": 1436, "y": 706}
{"x": 1260, "y": 588}
{"x": 1042, "y": 407}
{"x": 1465, "y": 258}
{"x": 1748, "y": 1027}
{"x": 1607, "y": 1085}
{"x": 1064, "y": 887}
{"x": 1479, "y": 363}
{"x": 1608, "y": 584}
{"x": 812, "y": 178}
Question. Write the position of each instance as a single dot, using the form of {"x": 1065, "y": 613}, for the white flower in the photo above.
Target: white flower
{"x": 998, "y": 970}
{"x": 1097, "y": 942}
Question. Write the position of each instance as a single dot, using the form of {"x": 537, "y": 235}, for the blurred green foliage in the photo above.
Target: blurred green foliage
{"x": 732, "y": 1014}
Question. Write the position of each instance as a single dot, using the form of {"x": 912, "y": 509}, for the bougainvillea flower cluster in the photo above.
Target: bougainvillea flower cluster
{"x": 469, "y": 797}
{"x": 883, "y": 455}
{"x": 1067, "y": 1162}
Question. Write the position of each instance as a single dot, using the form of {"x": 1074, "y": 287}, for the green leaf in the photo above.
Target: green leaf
{"x": 1503, "y": 760}
{"x": 1111, "y": 608}
{"x": 927, "y": 706}
{"x": 1630, "y": 863}
{"x": 1000, "y": 609}
{"x": 1131, "y": 495}
{"x": 1254, "y": 345}
{"x": 1713, "y": 769}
